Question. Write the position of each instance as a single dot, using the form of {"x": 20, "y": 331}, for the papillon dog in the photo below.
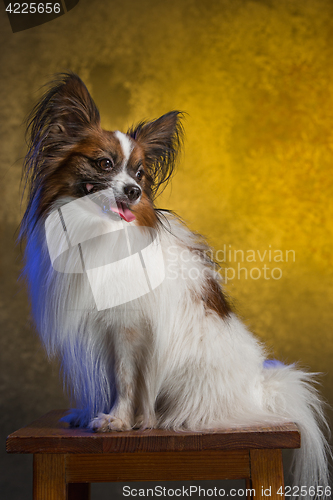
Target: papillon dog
{"x": 129, "y": 298}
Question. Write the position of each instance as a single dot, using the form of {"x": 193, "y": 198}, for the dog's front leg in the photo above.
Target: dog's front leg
{"x": 121, "y": 416}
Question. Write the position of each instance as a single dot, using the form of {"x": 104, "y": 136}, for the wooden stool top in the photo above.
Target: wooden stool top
{"x": 48, "y": 435}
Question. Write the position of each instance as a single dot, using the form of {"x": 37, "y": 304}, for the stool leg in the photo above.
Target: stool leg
{"x": 49, "y": 479}
{"x": 248, "y": 485}
{"x": 267, "y": 474}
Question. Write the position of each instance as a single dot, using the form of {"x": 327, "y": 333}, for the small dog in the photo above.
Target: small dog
{"x": 127, "y": 296}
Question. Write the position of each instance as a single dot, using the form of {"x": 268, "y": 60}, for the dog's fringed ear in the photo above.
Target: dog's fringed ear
{"x": 63, "y": 113}
{"x": 161, "y": 141}
{"x": 57, "y": 122}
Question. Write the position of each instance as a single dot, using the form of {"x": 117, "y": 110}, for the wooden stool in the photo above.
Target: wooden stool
{"x": 66, "y": 460}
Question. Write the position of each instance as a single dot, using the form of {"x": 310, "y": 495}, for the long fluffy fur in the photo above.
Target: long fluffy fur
{"x": 177, "y": 357}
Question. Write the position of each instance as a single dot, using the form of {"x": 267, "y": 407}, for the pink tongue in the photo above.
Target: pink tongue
{"x": 123, "y": 211}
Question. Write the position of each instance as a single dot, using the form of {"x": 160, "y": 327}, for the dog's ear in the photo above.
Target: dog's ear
{"x": 58, "y": 121}
{"x": 161, "y": 141}
{"x": 63, "y": 114}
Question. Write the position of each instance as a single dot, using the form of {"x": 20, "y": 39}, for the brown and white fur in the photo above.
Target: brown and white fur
{"x": 176, "y": 357}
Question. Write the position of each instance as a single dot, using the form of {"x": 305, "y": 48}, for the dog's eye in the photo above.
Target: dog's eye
{"x": 139, "y": 174}
{"x": 105, "y": 163}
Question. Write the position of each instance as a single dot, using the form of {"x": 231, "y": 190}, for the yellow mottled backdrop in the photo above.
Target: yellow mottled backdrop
{"x": 255, "y": 79}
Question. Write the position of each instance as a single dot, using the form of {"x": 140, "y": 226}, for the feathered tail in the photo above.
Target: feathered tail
{"x": 290, "y": 392}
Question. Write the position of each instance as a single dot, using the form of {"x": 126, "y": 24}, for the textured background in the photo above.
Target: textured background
{"x": 255, "y": 78}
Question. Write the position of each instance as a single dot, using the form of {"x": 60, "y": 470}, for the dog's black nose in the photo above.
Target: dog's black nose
{"x": 132, "y": 192}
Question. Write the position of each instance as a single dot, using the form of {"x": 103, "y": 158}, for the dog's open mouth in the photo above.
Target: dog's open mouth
{"x": 119, "y": 208}
{"x": 124, "y": 212}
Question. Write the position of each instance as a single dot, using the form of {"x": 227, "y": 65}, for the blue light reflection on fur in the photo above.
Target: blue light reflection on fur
{"x": 273, "y": 363}
{"x": 88, "y": 383}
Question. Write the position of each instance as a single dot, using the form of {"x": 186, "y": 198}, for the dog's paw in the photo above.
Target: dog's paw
{"x": 107, "y": 423}
{"x": 146, "y": 422}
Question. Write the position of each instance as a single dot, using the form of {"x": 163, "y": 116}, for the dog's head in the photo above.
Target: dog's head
{"x": 70, "y": 155}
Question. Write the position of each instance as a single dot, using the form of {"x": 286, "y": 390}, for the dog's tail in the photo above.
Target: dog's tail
{"x": 291, "y": 393}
